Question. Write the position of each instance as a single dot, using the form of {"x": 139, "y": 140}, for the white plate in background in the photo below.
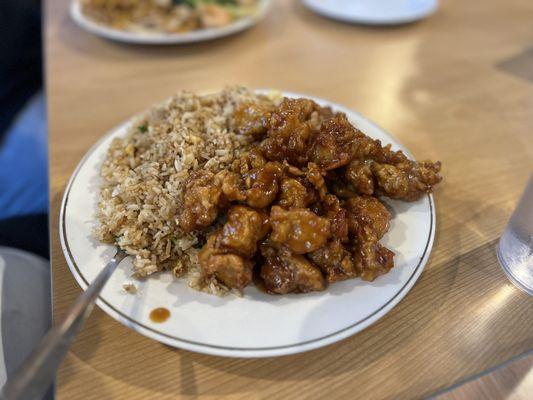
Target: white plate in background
{"x": 257, "y": 324}
{"x": 374, "y": 12}
{"x": 156, "y": 38}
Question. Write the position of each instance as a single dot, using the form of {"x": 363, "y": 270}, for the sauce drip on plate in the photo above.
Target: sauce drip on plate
{"x": 159, "y": 314}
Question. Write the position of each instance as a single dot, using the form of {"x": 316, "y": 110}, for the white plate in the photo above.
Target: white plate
{"x": 374, "y": 12}
{"x": 258, "y": 324}
{"x": 166, "y": 38}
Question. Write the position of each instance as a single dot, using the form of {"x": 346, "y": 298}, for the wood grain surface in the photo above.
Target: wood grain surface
{"x": 511, "y": 381}
{"x": 447, "y": 87}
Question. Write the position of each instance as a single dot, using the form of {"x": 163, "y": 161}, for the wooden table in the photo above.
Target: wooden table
{"x": 457, "y": 87}
{"x": 511, "y": 381}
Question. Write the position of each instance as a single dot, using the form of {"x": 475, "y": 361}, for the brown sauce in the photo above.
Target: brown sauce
{"x": 258, "y": 282}
{"x": 159, "y": 314}
{"x": 260, "y": 285}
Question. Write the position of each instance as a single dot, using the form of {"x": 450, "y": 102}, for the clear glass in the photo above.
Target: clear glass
{"x": 515, "y": 250}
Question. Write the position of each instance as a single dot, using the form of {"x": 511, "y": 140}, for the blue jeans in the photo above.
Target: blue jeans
{"x": 24, "y": 162}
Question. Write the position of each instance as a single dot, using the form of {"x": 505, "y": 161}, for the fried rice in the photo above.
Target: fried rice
{"x": 144, "y": 173}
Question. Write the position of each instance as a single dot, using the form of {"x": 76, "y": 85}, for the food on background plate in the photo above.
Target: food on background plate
{"x": 237, "y": 187}
{"x": 168, "y": 16}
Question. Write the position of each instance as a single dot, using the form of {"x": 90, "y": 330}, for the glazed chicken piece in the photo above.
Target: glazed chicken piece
{"x": 243, "y": 229}
{"x": 253, "y": 159}
{"x": 316, "y": 177}
{"x": 252, "y": 119}
{"x": 290, "y": 129}
{"x": 263, "y": 184}
{"x": 359, "y": 174}
{"x": 372, "y": 259}
{"x": 338, "y": 186}
{"x": 333, "y": 146}
{"x": 206, "y": 194}
{"x": 293, "y": 193}
{"x": 376, "y": 169}
{"x": 231, "y": 185}
{"x": 257, "y": 187}
{"x": 369, "y": 148}
{"x": 368, "y": 221}
{"x": 299, "y": 229}
{"x": 227, "y": 253}
{"x": 231, "y": 269}
{"x": 284, "y": 273}
{"x": 337, "y": 215}
{"x": 335, "y": 261}
{"x": 300, "y": 131}
{"x": 252, "y": 180}
{"x": 407, "y": 180}
{"x": 368, "y": 218}
{"x": 201, "y": 201}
